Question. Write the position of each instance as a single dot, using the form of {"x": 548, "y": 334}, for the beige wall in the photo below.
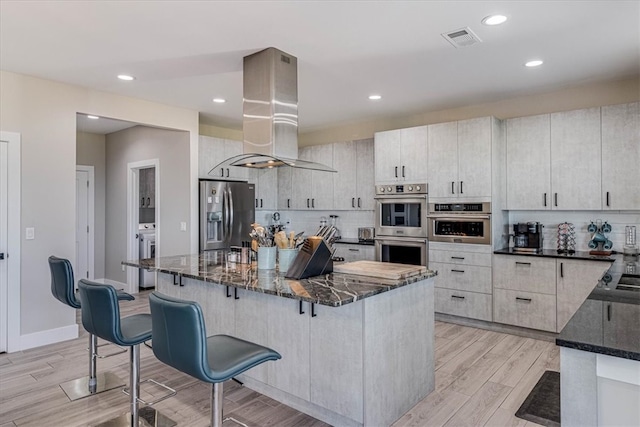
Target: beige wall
{"x": 43, "y": 112}
{"x": 218, "y": 132}
{"x": 90, "y": 151}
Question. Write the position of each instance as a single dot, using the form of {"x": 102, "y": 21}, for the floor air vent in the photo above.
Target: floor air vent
{"x": 462, "y": 38}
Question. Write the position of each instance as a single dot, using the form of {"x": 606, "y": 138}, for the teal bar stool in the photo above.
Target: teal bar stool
{"x": 101, "y": 317}
{"x": 180, "y": 341}
{"x": 63, "y": 289}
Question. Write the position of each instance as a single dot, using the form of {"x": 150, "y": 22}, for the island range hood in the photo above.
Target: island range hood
{"x": 270, "y": 113}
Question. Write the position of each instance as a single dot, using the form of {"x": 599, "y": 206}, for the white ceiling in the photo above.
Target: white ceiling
{"x": 184, "y": 53}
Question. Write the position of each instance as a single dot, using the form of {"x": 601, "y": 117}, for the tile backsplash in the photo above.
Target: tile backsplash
{"x": 581, "y": 220}
{"x": 309, "y": 221}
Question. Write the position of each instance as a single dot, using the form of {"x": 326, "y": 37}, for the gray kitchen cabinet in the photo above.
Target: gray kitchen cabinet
{"x": 576, "y": 160}
{"x": 575, "y": 281}
{"x": 621, "y": 157}
{"x": 212, "y": 151}
{"x": 526, "y": 309}
{"x": 460, "y": 159}
{"x": 617, "y": 318}
{"x": 463, "y": 284}
{"x": 311, "y": 189}
{"x": 355, "y": 252}
{"x": 525, "y": 273}
{"x": 266, "y": 188}
{"x": 353, "y": 185}
{"x": 147, "y": 187}
{"x": 285, "y": 177}
{"x": 401, "y": 155}
{"x": 250, "y": 313}
{"x": 529, "y": 163}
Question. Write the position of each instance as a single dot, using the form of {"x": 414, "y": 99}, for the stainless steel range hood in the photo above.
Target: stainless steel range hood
{"x": 270, "y": 113}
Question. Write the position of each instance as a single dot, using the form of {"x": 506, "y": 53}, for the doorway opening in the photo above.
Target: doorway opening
{"x": 85, "y": 223}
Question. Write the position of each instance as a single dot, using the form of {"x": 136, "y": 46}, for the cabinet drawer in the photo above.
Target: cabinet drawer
{"x": 462, "y": 258}
{"x": 355, "y": 252}
{"x": 524, "y": 273}
{"x": 526, "y": 309}
{"x": 463, "y": 277}
{"x": 465, "y": 304}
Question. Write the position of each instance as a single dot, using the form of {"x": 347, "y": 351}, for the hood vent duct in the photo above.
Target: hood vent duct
{"x": 270, "y": 113}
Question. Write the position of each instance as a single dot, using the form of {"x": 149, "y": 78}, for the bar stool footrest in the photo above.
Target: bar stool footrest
{"x": 171, "y": 392}
{"x": 100, "y": 356}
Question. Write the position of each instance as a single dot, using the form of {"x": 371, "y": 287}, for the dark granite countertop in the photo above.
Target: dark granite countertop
{"x": 608, "y": 322}
{"x": 354, "y": 241}
{"x": 552, "y": 253}
{"x": 334, "y": 289}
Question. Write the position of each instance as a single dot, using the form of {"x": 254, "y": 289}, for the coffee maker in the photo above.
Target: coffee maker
{"x": 527, "y": 237}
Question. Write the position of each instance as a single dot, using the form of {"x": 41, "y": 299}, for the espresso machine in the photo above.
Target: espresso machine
{"x": 527, "y": 237}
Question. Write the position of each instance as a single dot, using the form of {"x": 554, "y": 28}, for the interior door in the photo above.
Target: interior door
{"x": 4, "y": 145}
{"x": 81, "y": 267}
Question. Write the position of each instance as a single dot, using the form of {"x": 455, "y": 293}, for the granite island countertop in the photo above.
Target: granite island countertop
{"x": 334, "y": 289}
{"x": 608, "y": 322}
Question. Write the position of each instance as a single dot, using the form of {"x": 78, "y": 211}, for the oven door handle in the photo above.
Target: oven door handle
{"x": 458, "y": 217}
{"x": 385, "y": 240}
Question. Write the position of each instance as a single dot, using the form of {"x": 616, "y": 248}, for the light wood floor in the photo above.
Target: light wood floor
{"x": 482, "y": 377}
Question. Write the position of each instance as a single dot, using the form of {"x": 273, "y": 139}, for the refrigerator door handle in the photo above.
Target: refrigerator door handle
{"x": 225, "y": 212}
{"x": 230, "y": 197}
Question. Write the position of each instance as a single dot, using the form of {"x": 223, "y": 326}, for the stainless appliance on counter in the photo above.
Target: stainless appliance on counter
{"x": 527, "y": 237}
{"x": 401, "y": 224}
{"x": 460, "y": 222}
{"x": 147, "y": 249}
{"x": 226, "y": 213}
{"x": 366, "y": 234}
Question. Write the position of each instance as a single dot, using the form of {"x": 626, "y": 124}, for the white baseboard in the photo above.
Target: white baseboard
{"x": 49, "y": 336}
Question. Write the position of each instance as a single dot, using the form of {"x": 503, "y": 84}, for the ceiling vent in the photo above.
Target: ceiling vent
{"x": 462, "y": 38}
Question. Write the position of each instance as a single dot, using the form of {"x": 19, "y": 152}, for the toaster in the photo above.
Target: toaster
{"x": 366, "y": 234}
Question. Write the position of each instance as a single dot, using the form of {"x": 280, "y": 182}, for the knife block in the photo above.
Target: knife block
{"x": 314, "y": 259}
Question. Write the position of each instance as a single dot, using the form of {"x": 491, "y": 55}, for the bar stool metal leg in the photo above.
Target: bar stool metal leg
{"x": 217, "y": 398}
{"x": 134, "y": 382}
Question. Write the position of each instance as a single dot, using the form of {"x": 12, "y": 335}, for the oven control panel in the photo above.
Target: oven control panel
{"x": 401, "y": 189}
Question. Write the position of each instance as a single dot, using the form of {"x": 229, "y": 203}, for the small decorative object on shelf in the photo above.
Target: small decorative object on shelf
{"x": 630, "y": 244}
{"x": 566, "y": 238}
{"x": 599, "y": 243}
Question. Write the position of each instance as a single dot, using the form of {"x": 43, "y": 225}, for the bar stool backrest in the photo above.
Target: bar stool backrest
{"x": 62, "y": 282}
{"x": 179, "y": 335}
{"x": 100, "y": 311}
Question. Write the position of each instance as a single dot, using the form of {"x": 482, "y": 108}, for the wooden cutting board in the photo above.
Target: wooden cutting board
{"x": 385, "y": 270}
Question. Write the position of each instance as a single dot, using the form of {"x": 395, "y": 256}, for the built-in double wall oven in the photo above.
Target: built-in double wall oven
{"x": 460, "y": 223}
{"x": 401, "y": 223}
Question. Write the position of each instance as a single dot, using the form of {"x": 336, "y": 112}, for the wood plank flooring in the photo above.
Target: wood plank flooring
{"x": 482, "y": 378}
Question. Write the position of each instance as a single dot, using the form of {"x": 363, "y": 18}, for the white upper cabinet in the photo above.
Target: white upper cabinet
{"x": 401, "y": 155}
{"x": 353, "y": 185}
{"x": 529, "y": 162}
{"x": 212, "y": 151}
{"x": 304, "y": 188}
{"x": 621, "y": 157}
{"x": 576, "y": 160}
{"x": 266, "y": 183}
{"x": 460, "y": 159}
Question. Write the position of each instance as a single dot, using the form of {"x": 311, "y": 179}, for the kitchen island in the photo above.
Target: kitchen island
{"x": 356, "y": 350}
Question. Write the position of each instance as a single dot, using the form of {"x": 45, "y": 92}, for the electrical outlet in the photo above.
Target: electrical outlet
{"x": 30, "y": 233}
{"x": 183, "y": 226}
{"x": 123, "y": 267}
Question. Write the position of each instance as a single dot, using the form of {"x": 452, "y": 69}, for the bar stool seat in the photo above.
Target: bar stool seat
{"x": 180, "y": 341}
{"x": 101, "y": 317}
{"x": 63, "y": 289}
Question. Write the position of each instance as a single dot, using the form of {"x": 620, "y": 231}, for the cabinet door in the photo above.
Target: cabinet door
{"x": 413, "y": 167}
{"x": 250, "y": 314}
{"x": 345, "y": 161}
{"x": 474, "y": 157}
{"x": 322, "y": 182}
{"x": 266, "y": 182}
{"x": 524, "y": 273}
{"x": 285, "y": 175}
{"x": 442, "y": 160}
{"x": 301, "y": 191}
{"x": 576, "y": 280}
{"x": 211, "y": 151}
{"x": 576, "y": 160}
{"x": 621, "y": 157}
{"x": 387, "y": 156}
{"x": 529, "y": 163}
{"x": 526, "y": 309}
{"x": 365, "y": 175}
{"x": 234, "y": 148}
{"x": 617, "y": 320}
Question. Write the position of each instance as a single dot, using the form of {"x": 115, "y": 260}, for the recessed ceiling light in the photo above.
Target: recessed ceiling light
{"x": 219, "y": 100}
{"x": 375, "y": 97}
{"x": 89, "y": 116}
{"x": 126, "y": 77}
{"x": 534, "y": 63}
{"x": 494, "y": 20}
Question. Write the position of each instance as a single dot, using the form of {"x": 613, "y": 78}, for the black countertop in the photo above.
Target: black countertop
{"x": 334, "y": 289}
{"x": 552, "y": 253}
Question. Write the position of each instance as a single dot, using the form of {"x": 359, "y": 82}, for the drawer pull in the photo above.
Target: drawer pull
{"x": 523, "y": 263}
{"x": 457, "y": 297}
{"x": 523, "y": 299}
{"x": 457, "y": 271}
{"x": 354, "y": 250}
{"x": 457, "y": 257}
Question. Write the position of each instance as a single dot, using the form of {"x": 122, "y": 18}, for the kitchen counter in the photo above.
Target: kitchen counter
{"x": 333, "y": 289}
{"x": 552, "y": 253}
{"x": 335, "y": 361}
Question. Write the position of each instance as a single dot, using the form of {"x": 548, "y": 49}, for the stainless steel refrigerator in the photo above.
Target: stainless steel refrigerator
{"x": 226, "y": 213}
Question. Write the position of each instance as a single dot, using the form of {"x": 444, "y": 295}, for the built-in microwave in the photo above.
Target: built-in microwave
{"x": 460, "y": 223}
{"x": 401, "y": 210}
{"x": 402, "y": 250}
